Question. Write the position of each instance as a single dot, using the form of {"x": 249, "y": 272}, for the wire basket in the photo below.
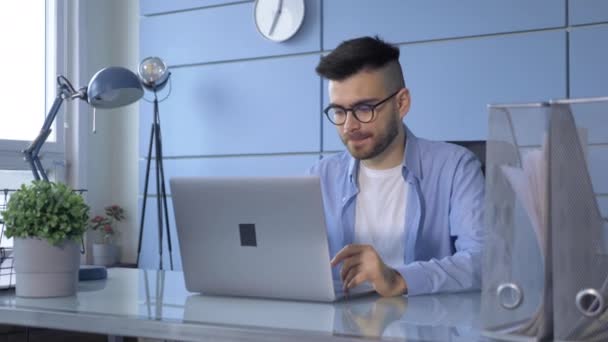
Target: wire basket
{"x": 7, "y": 270}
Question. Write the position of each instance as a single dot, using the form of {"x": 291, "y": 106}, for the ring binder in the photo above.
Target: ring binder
{"x": 590, "y": 302}
{"x": 516, "y": 294}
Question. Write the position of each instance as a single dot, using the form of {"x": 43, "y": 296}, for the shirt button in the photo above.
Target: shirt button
{"x": 343, "y": 199}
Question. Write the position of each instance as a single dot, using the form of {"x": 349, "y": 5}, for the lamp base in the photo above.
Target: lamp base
{"x": 91, "y": 272}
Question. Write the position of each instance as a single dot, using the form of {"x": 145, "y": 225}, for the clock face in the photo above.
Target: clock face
{"x": 278, "y": 20}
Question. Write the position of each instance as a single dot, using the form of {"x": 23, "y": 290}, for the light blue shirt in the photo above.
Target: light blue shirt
{"x": 443, "y": 221}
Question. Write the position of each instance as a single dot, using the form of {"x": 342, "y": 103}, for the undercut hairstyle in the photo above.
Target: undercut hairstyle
{"x": 355, "y": 55}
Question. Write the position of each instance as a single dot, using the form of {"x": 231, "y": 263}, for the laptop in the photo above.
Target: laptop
{"x": 255, "y": 237}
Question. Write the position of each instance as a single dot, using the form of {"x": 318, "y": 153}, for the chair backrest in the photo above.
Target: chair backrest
{"x": 478, "y": 147}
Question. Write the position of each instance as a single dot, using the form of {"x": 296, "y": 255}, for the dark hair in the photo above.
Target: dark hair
{"x": 354, "y": 55}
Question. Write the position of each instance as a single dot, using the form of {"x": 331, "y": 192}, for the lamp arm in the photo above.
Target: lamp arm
{"x": 31, "y": 153}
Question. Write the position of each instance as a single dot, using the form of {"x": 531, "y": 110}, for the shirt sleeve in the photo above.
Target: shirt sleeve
{"x": 314, "y": 169}
{"x": 462, "y": 270}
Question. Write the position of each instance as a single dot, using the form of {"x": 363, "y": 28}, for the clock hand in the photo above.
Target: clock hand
{"x": 277, "y": 14}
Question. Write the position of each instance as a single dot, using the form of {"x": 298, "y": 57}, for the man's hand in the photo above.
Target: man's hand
{"x": 362, "y": 263}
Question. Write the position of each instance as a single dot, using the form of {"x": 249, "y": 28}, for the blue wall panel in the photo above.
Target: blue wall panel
{"x": 221, "y": 33}
{"x": 148, "y": 7}
{"x": 588, "y": 61}
{"x": 236, "y": 93}
{"x": 401, "y": 21}
{"x": 594, "y": 118}
{"x": 263, "y": 106}
{"x": 282, "y": 165}
{"x": 587, "y": 11}
{"x": 452, "y": 82}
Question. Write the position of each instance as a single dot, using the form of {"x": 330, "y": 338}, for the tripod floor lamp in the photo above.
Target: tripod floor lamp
{"x": 110, "y": 87}
{"x": 154, "y": 75}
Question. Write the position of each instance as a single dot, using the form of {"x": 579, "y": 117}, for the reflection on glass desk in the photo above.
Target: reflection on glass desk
{"x": 156, "y": 304}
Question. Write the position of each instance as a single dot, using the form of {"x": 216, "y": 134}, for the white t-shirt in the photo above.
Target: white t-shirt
{"x": 380, "y": 212}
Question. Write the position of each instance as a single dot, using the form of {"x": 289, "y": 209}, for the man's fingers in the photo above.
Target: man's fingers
{"x": 347, "y": 251}
{"x": 352, "y": 273}
{"x": 359, "y": 278}
{"x": 348, "y": 264}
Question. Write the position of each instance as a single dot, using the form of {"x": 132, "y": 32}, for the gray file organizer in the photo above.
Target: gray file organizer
{"x": 546, "y": 255}
{"x": 516, "y": 292}
{"x": 578, "y": 186}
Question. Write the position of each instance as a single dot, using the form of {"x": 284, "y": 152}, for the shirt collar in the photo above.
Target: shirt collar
{"x": 412, "y": 160}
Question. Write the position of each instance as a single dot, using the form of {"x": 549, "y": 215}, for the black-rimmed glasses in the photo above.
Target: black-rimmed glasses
{"x": 363, "y": 112}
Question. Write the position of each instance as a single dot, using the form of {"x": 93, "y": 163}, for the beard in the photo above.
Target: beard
{"x": 379, "y": 143}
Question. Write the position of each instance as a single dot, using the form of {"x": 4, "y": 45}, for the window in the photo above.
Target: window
{"x": 30, "y": 62}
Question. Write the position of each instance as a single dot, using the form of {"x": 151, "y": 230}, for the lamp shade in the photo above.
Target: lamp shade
{"x": 153, "y": 73}
{"x": 114, "y": 87}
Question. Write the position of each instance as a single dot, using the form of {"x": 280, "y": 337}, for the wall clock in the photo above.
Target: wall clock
{"x": 278, "y": 20}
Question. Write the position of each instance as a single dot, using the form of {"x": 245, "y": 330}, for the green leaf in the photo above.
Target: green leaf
{"x": 47, "y": 210}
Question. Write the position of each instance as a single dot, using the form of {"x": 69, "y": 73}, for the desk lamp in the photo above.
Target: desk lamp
{"x": 109, "y": 88}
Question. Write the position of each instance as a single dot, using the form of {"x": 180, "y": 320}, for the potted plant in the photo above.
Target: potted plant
{"x": 106, "y": 252}
{"x": 47, "y": 221}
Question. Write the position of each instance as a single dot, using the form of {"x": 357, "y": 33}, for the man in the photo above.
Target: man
{"x": 403, "y": 213}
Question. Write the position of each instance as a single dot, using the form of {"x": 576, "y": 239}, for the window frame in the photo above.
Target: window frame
{"x": 52, "y": 153}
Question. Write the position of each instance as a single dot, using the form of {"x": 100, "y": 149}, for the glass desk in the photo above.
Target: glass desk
{"x": 155, "y": 304}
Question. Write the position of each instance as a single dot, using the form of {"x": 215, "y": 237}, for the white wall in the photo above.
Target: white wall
{"x": 100, "y": 34}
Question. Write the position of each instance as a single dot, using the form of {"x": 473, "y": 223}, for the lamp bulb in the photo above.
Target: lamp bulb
{"x": 153, "y": 72}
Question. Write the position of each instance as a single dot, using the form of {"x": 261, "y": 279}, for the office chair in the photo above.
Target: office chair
{"x": 478, "y": 147}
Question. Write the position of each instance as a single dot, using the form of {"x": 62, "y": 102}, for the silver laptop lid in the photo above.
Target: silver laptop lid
{"x": 262, "y": 237}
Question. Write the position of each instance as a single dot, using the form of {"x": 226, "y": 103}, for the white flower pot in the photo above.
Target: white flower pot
{"x": 105, "y": 254}
{"x": 44, "y": 270}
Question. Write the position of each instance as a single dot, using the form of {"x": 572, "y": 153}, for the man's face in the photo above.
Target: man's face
{"x": 366, "y": 140}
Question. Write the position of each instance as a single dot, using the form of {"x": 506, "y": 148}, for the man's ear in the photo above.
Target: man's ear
{"x": 403, "y": 102}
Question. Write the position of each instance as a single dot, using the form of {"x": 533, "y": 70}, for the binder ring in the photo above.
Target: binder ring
{"x": 590, "y": 302}
{"x": 511, "y": 290}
